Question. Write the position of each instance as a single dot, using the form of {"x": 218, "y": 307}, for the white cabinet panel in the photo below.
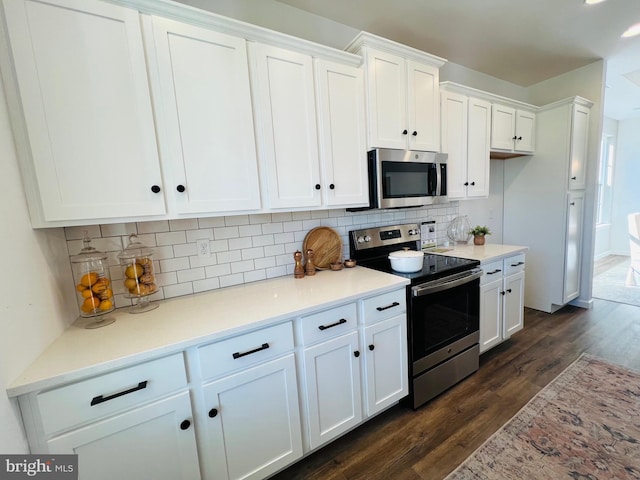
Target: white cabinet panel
{"x": 513, "y": 304}
{"x": 525, "y": 131}
{"x": 575, "y": 213}
{"x": 512, "y": 130}
{"x": 579, "y": 148}
{"x": 491, "y": 327}
{"x": 478, "y": 146}
{"x": 81, "y": 71}
{"x": 423, "y": 107}
{"x": 204, "y": 108}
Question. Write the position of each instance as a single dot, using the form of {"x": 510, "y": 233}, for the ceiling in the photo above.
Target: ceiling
{"x": 520, "y": 41}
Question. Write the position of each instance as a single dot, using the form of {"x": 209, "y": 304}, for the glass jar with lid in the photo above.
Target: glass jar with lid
{"x": 93, "y": 284}
{"x": 139, "y": 280}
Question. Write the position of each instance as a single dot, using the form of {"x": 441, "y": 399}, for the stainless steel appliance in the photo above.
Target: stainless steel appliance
{"x": 443, "y": 309}
{"x": 405, "y": 178}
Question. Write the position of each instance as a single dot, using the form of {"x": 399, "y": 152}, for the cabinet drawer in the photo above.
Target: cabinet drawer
{"x": 244, "y": 350}
{"x": 96, "y": 397}
{"x": 514, "y": 264}
{"x": 328, "y": 324}
{"x": 491, "y": 271}
{"x": 384, "y": 306}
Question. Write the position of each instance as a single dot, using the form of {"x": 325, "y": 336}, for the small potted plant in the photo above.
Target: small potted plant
{"x": 479, "y": 233}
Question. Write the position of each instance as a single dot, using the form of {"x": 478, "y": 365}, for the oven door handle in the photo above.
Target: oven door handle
{"x": 438, "y": 286}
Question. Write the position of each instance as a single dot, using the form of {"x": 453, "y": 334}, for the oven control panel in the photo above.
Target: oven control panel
{"x": 383, "y": 236}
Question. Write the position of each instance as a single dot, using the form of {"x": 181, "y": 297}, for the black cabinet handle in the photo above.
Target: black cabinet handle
{"x": 356, "y": 354}
{"x": 155, "y": 189}
{"x": 519, "y": 138}
{"x": 180, "y": 188}
{"x": 514, "y": 137}
{"x": 503, "y": 293}
{"x": 572, "y": 203}
{"x": 517, "y": 264}
{"x": 497, "y": 270}
{"x": 237, "y": 355}
{"x": 466, "y": 184}
{"x": 404, "y": 132}
{"x": 317, "y": 186}
{"x": 508, "y": 290}
{"x": 574, "y": 178}
{"x": 213, "y": 413}
{"x": 185, "y": 424}
{"x": 473, "y": 183}
{"x": 101, "y": 399}
{"x": 332, "y": 186}
{"x": 372, "y": 347}
{"x": 394, "y": 304}
{"x": 339, "y": 322}
{"x": 415, "y": 134}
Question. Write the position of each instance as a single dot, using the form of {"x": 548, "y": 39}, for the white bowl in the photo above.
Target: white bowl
{"x": 406, "y": 261}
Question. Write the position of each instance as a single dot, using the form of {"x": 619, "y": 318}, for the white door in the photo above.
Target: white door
{"x": 342, "y": 134}
{"x": 454, "y": 142}
{"x": 423, "y": 106}
{"x": 513, "y": 304}
{"x": 478, "y": 139}
{"x": 573, "y": 252}
{"x": 490, "y": 314}
{"x": 286, "y": 126}
{"x": 155, "y": 441}
{"x": 385, "y": 350}
{"x": 525, "y": 131}
{"x": 204, "y": 109}
{"x": 579, "y": 148}
{"x": 387, "y": 100}
{"x": 333, "y": 396}
{"x": 81, "y": 69}
{"x": 503, "y": 125}
{"x": 254, "y": 421}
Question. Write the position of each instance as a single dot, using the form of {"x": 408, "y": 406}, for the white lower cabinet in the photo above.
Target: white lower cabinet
{"x": 501, "y": 301}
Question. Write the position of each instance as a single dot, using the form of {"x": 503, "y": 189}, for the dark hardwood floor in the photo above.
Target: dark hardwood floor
{"x": 429, "y": 443}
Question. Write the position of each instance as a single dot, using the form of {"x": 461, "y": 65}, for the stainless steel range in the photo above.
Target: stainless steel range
{"x": 443, "y": 308}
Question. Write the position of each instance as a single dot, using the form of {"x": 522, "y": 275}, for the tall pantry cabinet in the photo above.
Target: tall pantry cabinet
{"x": 544, "y": 204}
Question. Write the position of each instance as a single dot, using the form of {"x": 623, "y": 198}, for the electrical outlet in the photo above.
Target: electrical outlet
{"x": 203, "y": 248}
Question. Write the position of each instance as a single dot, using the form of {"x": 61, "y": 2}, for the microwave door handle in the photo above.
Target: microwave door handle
{"x": 438, "y": 180}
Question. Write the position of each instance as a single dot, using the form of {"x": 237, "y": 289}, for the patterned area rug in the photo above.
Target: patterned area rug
{"x": 584, "y": 425}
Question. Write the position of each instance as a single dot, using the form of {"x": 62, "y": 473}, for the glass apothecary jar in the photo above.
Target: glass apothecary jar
{"x": 139, "y": 279}
{"x": 93, "y": 284}
{"x": 459, "y": 230}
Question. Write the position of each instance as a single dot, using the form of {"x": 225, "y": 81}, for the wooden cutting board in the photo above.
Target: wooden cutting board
{"x": 326, "y": 245}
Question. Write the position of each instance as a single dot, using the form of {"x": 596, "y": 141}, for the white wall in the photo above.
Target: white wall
{"x": 587, "y": 82}
{"x": 34, "y": 294}
{"x": 626, "y": 194}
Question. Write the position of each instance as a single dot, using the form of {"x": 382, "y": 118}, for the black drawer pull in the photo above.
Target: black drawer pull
{"x": 517, "y": 264}
{"x": 237, "y": 355}
{"x": 101, "y": 399}
{"x": 495, "y": 271}
{"x": 339, "y": 322}
{"x": 394, "y": 304}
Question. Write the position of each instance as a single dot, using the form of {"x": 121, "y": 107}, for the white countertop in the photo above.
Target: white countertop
{"x": 183, "y": 322}
{"x": 487, "y": 253}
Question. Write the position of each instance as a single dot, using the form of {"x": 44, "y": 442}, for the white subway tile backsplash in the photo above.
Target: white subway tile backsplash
{"x": 244, "y": 248}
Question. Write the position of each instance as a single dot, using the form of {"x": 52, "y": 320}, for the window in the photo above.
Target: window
{"x": 605, "y": 180}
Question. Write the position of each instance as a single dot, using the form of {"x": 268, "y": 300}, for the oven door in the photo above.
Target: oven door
{"x": 444, "y": 318}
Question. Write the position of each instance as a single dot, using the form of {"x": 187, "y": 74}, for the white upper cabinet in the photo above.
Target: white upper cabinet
{"x": 286, "y": 126}
{"x": 579, "y": 147}
{"x": 403, "y": 94}
{"x": 205, "y": 119}
{"x": 342, "y": 134}
{"x": 466, "y": 123}
{"x": 87, "y": 140}
{"x": 512, "y": 130}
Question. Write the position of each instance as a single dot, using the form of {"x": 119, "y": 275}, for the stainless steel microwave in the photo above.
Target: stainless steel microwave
{"x": 406, "y": 178}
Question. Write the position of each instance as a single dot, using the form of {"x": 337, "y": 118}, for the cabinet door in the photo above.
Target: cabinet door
{"x": 579, "y": 147}
{"x": 253, "y": 424}
{"x": 573, "y": 252}
{"x": 387, "y": 100}
{"x": 513, "y": 304}
{"x": 342, "y": 132}
{"x": 454, "y": 142}
{"x": 81, "y": 72}
{"x": 155, "y": 441}
{"x": 204, "y": 108}
{"x": 478, "y": 138}
{"x": 503, "y": 125}
{"x": 423, "y": 106}
{"x": 286, "y": 122}
{"x": 525, "y": 131}
{"x": 333, "y": 396}
{"x": 385, "y": 348}
{"x": 490, "y": 314}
